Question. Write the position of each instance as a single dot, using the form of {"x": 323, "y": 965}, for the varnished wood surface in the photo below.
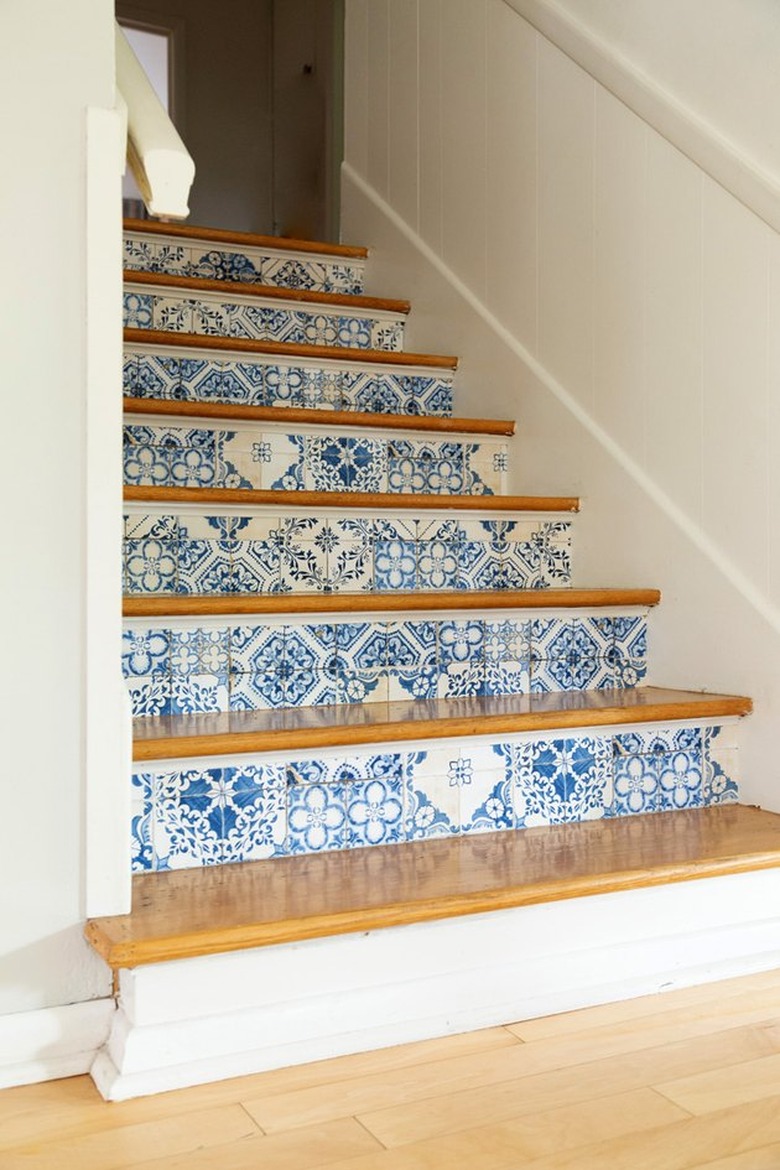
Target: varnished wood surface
{"x": 188, "y": 231}
{"x": 312, "y": 417}
{"x": 585, "y": 1090}
{"x": 212, "y": 910}
{"x": 267, "y": 291}
{"x": 342, "y": 353}
{"x": 393, "y": 501}
{"x": 171, "y": 736}
{"x": 181, "y": 605}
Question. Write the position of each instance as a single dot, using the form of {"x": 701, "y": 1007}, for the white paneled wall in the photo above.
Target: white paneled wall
{"x": 649, "y": 293}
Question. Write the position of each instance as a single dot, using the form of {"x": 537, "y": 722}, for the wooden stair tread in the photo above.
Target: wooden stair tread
{"x": 185, "y": 913}
{"x": 187, "y": 231}
{"x": 297, "y": 728}
{"x": 394, "y": 501}
{"x": 267, "y": 291}
{"x": 182, "y": 605}
{"x": 309, "y": 416}
{"x": 385, "y": 357}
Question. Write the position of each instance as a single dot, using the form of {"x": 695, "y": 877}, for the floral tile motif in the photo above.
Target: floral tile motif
{"x": 721, "y": 759}
{"x": 375, "y": 811}
{"x": 268, "y": 381}
{"x": 207, "y": 816}
{"x": 563, "y": 780}
{"x": 316, "y": 817}
{"x": 150, "y": 565}
{"x": 249, "y": 265}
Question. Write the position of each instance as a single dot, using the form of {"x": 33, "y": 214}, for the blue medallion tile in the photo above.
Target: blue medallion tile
{"x": 284, "y": 385}
{"x": 507, "y": 641}
{"x": 438, "y": 565}
{"x": 316, "y": 817}
{"x": 375, "y": 814}
{"x": 345, "y": 464}
{"x": 395, "y": 565}
{"x": 558, "y": 781}
{"x": 141, "y": 846}
{"x": 255, "y": 567}
{"x": 138, "y": 310}
{"x": 461, "y": 642}
{"x": 635, "y": 780}
{"x": 256, "y": 648}
{"x": 680, "y": 780}
{"x": 254, "y": 812}
{"x": 259, "y": 690}
{"x": 204, "y": 567}
{"x": 187, "y": 819}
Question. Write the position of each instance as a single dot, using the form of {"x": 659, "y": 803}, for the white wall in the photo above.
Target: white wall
{"x": 640, "y": 305}
{"x": 717, "y": 58}
{"x": 56, "y": 60}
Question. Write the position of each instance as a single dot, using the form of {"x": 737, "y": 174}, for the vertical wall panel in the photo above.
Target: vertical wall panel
{"x": 673, "y": 339}
{"x": 403, "y": 179}
{"x": 619, "y": 278}
{"x": 773, "y": 419}
{"x": 463, "y": 135}
{"x": 566, "y": 130}
{"x": 511, "y": 171}
{"x": 378, "y": 22}
{"x": 430, "y": 71}
{"x": 735, "y": 258}
{"x": 356, "y": 85}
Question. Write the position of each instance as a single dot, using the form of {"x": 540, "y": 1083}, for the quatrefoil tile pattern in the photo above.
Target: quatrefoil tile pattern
{"x": 257, "y": 666}
{"x": 273, "y": 382}
{"x": 271, "y": 321}
{"x": 186, "y": 456}
{"x": 306, "y": 554}
{"x": 185, "y": 817}
{"x": 248, "y": 265}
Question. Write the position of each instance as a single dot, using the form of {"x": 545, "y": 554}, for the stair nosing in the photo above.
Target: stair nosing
{"x": 408, "y": 721}
{"x": 381, "y": 501}
{"x": 180, "y": 605}
{"x": 248, "y": 239}
{"x": 164, "y": 280}
{"x": 480, "y": 873}
{"x": 311, "y": 416}
{"x": 387, "y": 357}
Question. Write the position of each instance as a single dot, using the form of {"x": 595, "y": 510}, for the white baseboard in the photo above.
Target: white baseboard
{"x": 206, "y": 1019}
{"x": 52, "y": 1042}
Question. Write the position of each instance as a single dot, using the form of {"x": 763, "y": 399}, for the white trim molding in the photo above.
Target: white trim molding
{"x": 721, "y": 158}
{"x": 176, "y": 1027}
{"x": 52, "y": 1042}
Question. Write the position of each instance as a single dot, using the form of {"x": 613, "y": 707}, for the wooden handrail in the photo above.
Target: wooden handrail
{"x": 161, "y": 164}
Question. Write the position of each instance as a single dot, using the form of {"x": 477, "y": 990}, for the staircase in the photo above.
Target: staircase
{"x": 360, "y": 667}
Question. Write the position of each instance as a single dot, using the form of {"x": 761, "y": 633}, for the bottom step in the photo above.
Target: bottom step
{"x": 212, "y": 911}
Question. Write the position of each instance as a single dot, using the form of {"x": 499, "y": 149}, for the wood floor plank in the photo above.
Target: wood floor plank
{"x": 121, "y": 1146}
{"x": 350, "y": 724}
{"x": 682, "y": 1145}
{"x": 707, "y": 997}
{"x": 168, "y": 604}
{"x": 213, "y": 910}
{"x": 513, "y": 1143}
{"x": 721, "y": 1088}
{"x": 343, "y": 1141}
{"x": 767, "y": 1158}
{"x": 496, "y": 1096}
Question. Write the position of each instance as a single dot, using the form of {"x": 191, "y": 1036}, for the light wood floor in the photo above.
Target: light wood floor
{"x": 687, "y": 1079}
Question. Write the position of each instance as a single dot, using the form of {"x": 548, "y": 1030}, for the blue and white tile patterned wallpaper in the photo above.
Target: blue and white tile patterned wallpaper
{"x": 255, "y": 810}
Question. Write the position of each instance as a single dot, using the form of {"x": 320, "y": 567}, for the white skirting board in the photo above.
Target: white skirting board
{"x": 52, "y": 1042}
{"x": 197, "y": 1020}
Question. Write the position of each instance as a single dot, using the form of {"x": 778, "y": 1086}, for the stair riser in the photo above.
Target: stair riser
{"x": 303, "y": 664}
{"x": 213, "y": 315}
{"x": 275, "y": 382}
{"x": 191, "y": 554}
{"x": 263, "y": 807}
{"x": 251, "y": 265}
{"x": 251, "y": 457}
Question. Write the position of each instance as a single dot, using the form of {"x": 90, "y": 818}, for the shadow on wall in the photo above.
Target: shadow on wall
{"x": 257, "y": 99}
